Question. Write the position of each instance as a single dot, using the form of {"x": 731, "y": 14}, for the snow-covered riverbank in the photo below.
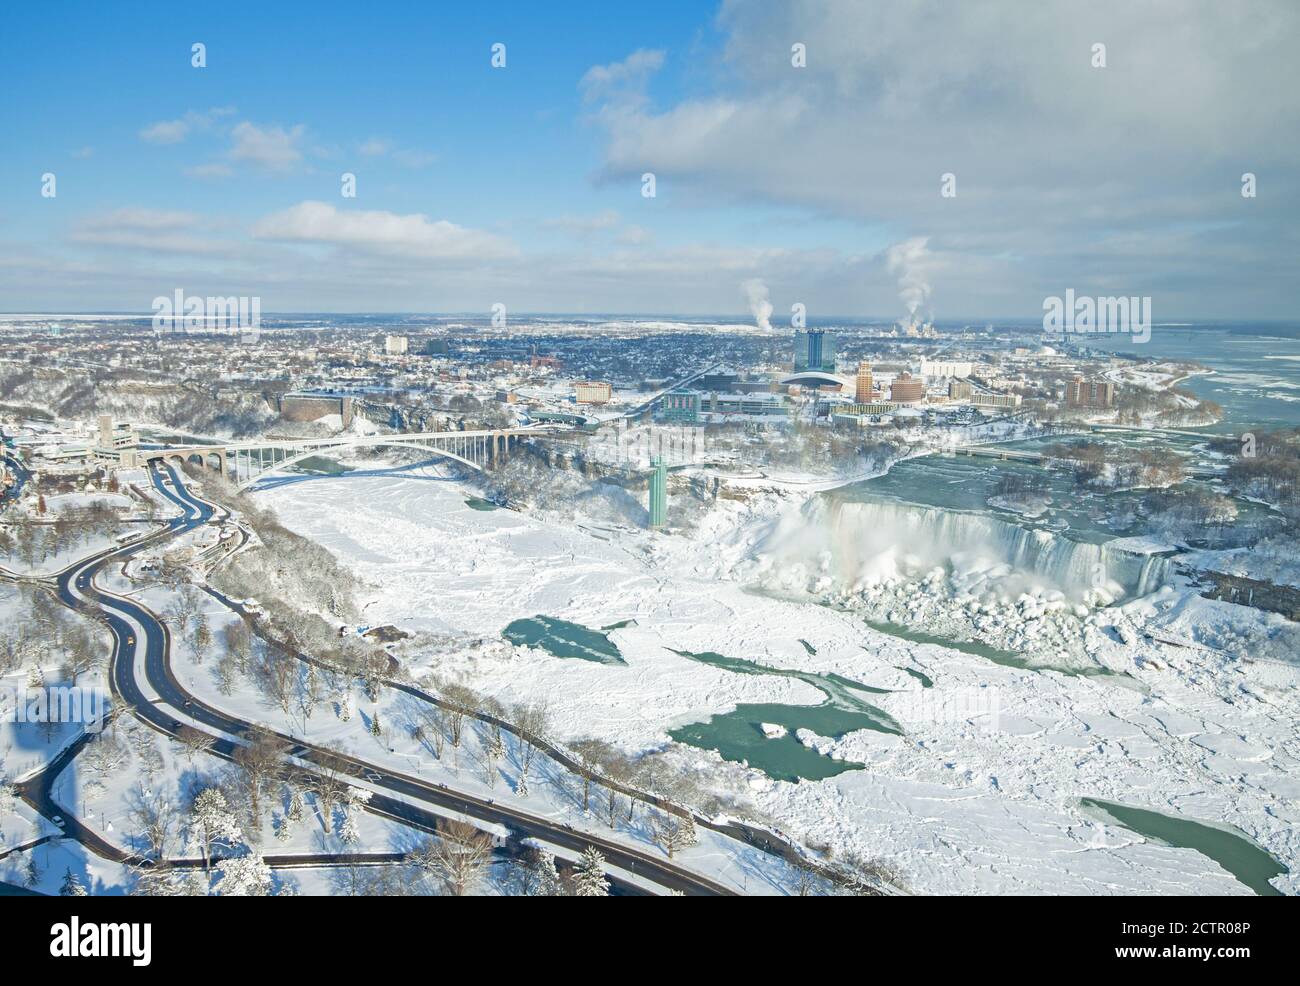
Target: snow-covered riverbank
{"x": 979, "y": 794}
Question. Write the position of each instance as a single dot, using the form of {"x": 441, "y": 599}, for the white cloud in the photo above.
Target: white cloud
{"x": 273, "y": 148}
{"x": 175, "y": 131}
{"x": 1051, "y": 156}
{"x": 169, "y": 231}
{"x": 406, "y": 157}
{"x": 634, "y": 235}
{"x": 627, "y": 76}
{"x": 413, "y": 236}
{"x": 584, "y": 225}
{"x": 165, "y": 132}
{"x": 215, "y": 169}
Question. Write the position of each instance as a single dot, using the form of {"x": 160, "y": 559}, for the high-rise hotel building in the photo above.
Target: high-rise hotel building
{"x": 863, "y": 391}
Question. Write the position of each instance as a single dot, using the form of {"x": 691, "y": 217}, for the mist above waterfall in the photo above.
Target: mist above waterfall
{"x": 861, "y": 543}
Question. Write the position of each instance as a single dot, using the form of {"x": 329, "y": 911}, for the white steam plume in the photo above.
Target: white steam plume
{"x": 756, "y": 292}
{"x": 910, "y": 262}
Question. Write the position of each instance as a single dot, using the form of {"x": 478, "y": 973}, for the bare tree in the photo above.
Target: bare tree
{"x": 80, "y": 652}
{"x": 183, "y": 610}
{"x": 227, "y": 672}
{"x": 278, "y": 674}
{"x": 329, "y": 782}
{"x": 155, "y": 818}
{"x": 458, "y": 856}
{"x": 459, "y": 702}
{"x": 617, "y": 769}
{"x": 193, "y": 741}
{"x": 805, "y": 880}
{"x": 532, "y": 720}
{"x": 310, "y": 693}
{"x": 105, "y": 754}
{"x": 239, "y": 644}
{"x": 865, "y": 876}
{"x": 261, "y": 757}
{"x": 590, "y": 753}
{"x": 436, "y": 728}
{"x": 672, "y": 831}
{"x": 495, "y": 712}
{"x": 200, "y": 637}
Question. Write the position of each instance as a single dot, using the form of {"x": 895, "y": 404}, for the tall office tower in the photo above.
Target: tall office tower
{"x": 658, "y": 492}
{"x": 862, "y": 393}
{"x": 814, "y": 350}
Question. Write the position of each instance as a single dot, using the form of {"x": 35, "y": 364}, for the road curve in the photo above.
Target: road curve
{"x": 128, "y": 619}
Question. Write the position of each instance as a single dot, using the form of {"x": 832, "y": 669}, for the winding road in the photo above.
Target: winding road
{"x": 141, "y": 657}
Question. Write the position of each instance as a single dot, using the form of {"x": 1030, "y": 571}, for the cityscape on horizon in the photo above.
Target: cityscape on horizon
{"x": 837, "y": 448}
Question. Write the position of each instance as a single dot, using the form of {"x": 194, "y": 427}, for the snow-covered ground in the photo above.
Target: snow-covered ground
{"x": 961, "y": 802}
{"x": 57, "y": 556}
{"x": 554, "y": 792}
{"x": 26, "y": 746}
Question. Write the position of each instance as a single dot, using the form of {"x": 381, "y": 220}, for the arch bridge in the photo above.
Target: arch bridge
{"x": 246, "y": 462}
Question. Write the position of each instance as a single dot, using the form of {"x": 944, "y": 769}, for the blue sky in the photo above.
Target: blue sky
{"x": 504, "y": 144}
{"x": 522, "y": 185}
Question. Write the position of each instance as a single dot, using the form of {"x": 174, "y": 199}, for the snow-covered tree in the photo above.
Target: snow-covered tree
{"x": 295, "y": 811}
{"x": 356, "y": 800}
{"x": 672, "y": 831}
{"x": 212, "y": 821}
{"x": 491, "y": 754}
{"x": 540, "y": 878}
{"x": 200, "y": 638}
{"x": 244, "y": 876}
{"x": 71, "y": 886}
{"x": 167, "y": 881}
{"x": 348, "y": 831}
{"x": 589, "y": 875}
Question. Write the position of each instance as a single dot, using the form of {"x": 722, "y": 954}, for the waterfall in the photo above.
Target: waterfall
{"x": 877, "y": 539}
